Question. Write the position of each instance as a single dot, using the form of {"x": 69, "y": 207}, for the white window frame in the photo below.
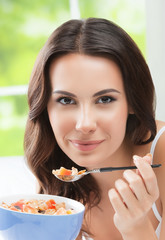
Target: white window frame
{"x": 155, "y": 24}
{"x": 155, "y": 27}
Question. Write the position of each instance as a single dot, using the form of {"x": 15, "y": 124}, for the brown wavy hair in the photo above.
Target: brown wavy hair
{"x": 94, "y": 37}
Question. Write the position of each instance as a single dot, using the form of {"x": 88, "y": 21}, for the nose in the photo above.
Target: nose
{"x": 86, "y": 122}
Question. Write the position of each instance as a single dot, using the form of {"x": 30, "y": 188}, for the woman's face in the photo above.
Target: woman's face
{"x": 87, "y": 108}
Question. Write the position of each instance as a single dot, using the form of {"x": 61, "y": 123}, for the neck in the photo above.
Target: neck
{"x": 123, "y": 157}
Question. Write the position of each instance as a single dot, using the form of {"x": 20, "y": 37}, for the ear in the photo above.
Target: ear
{"x": 130, "y": 110}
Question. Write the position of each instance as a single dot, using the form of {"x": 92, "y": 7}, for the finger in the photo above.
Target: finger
{"x": 147, "y": 175}
{"x": 117, "y": 202}
{"x": 126, "y": 194}
{"x": 147, "y": 158}
{"x": 137, "y": 185}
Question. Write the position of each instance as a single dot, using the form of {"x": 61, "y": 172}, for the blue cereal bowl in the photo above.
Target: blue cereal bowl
{"x": 26, "y": 226}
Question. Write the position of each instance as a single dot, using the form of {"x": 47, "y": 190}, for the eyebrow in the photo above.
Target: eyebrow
{"x": 109, "y": 90}
{"x": 65, "y": 93}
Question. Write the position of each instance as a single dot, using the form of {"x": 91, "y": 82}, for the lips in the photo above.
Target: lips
{"x": 86, "y": 145}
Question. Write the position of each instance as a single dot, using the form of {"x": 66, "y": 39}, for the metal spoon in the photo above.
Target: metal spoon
{"x": 72, "y": 178}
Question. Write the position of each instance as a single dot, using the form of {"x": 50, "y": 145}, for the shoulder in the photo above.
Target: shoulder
{"x": 159, "y": 158}
{"x": 159, "y": 154}
{"x": 160, "y": 149}
{"x": 160, "y": 124}
{"x": 142, "y": 150}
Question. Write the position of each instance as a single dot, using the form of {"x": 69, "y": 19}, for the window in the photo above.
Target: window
{"x": 25, "y": 26}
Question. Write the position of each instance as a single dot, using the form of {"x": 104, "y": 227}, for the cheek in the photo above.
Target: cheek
{"x": 115, "y": 122}
{"x": 60, "y": 124}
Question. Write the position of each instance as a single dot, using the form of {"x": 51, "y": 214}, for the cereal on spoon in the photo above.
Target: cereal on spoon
{"x": 67, "y": 174}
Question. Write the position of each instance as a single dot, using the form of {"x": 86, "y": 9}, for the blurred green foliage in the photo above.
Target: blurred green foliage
{"x": 129, "y": 14}
{"x": 13, "y": 115}
{"x": 24, "y": 27}
{"x": 11, "y": 141}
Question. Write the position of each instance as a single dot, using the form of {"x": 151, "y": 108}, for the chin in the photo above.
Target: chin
{"x": 87, "y": 162}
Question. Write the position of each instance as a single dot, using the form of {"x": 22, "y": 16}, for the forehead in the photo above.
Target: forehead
{"x": 85, "y": 71}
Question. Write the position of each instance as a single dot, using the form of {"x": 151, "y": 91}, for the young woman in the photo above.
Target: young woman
{"x": 91, "y": 105}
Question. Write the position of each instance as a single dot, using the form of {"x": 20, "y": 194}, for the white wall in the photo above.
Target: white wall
{"x": 155, "y": 19}
{"x": 15, "y": 177}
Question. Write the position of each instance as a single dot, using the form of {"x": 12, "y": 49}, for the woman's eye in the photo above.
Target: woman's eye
{"x": 66, "y": 100}
{"x": 105, "y": 99}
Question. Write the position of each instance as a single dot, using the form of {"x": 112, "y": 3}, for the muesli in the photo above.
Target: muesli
{"x": 34, "y": 206}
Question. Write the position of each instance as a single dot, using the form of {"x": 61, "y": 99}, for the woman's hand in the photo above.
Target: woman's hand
{"x": 133, "y": 196}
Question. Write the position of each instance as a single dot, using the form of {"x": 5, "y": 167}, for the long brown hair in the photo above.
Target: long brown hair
{"x": 95, "y": 37}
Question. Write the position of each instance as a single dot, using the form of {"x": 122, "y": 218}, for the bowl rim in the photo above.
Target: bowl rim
{"x": 46, "y": 196}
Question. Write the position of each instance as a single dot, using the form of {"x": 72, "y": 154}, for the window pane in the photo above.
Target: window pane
{"x": 128, "y": 14}
{"x": 13, "y": 114}
{"x": 25, "y": 26}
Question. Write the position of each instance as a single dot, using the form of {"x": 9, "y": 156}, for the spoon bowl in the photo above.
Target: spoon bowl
{"x": 73, "y": 178}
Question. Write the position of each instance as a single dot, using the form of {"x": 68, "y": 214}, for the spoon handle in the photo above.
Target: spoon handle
{"x": 110, "y": 169}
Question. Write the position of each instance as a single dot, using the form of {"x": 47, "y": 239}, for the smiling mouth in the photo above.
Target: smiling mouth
{"x": 86, "y": 145}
